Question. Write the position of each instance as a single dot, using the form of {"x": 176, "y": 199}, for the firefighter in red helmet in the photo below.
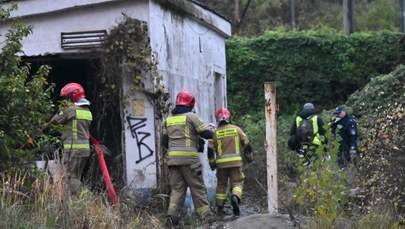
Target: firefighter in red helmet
{"x": 76, "y": 119}
{"x": 181, "y": 132}
{"x": 225, "y": 154}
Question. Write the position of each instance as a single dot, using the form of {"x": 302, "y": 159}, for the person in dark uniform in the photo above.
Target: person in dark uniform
{"x": 344, "y": 128}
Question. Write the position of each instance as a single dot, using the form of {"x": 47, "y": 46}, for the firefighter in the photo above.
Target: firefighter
{"x": 225, "y": 154}
{"x": 181, "y": 132}
{"x": 76, "y": 119}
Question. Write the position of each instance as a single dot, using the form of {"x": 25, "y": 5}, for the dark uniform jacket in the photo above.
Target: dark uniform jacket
{"x": 346, "y": 128}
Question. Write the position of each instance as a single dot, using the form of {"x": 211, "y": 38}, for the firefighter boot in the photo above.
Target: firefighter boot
{"x": 221, "y": 212}
{"x": 235, "y": 205}
{"x": 210, "y": 218}
{"x": 172, "y": 221}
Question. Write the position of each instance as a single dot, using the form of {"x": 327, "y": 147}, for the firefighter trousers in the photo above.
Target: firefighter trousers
{"x": 190, "y": 176}
{"x": 236, "y": 178}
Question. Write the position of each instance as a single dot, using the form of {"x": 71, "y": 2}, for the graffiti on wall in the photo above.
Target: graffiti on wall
{"x": 135, "y": 125}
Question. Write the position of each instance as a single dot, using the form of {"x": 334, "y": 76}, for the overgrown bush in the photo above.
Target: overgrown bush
{"x": 382, "y": 109}
{"x": 319, "y": 67}
{"x": 25, "y": 100}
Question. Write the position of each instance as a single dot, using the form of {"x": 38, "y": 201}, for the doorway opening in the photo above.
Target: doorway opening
{"x": 106, "y": 126}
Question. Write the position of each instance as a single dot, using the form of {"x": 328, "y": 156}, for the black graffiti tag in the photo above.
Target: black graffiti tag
{"x": 135, "y": 124}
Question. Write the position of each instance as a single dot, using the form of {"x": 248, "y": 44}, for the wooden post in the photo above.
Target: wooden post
{"x": 271, "y": 146}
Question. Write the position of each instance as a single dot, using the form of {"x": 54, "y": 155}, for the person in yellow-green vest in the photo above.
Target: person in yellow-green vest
{"x": 311, "y": 136}
{"x": 226, "y": 151}
{"x": 76, "y": 119}
{"x": 182, "y": 134}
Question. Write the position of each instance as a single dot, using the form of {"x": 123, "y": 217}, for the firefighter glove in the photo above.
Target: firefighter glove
{"x": 212, "y": 127}
{"x": 201, "y": 145}
{"x": 249, "y": 157}
{"x": 213, "y": 166}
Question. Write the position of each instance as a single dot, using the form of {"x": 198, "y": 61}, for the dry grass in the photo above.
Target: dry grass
{"x": 46, "y": 205}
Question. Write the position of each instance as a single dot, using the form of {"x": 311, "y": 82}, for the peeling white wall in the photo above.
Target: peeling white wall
{"x": 50, "y": 18}
{"x": 189, "y": 55}
{"x": 140, "y": 150}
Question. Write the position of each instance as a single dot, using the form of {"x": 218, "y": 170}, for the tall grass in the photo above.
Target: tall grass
{"x": 45, "y": 205}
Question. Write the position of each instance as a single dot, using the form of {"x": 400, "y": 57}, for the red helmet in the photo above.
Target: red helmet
{"x": 185, "y": 98}
{"x": 223, "y": 114}
{"x": 73, "y": 92}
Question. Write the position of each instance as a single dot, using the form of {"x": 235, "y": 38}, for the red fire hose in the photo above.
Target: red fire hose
{"x": 104, "y": 170}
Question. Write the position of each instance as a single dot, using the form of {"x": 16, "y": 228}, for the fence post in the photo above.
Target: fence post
{"x": 271, "y": 146}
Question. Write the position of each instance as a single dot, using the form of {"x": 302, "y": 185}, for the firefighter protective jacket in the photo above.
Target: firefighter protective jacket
{"x": 75, "y": 135}
{"x": 228, "y": 143}
{"x": 183, "y": 131}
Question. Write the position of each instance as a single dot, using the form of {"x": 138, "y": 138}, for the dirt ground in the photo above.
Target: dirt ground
{"x": 259, "y": 221}
{"x": 253, "y": 217}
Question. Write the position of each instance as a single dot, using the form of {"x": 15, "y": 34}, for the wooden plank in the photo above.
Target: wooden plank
{"x": 271, "y": 146}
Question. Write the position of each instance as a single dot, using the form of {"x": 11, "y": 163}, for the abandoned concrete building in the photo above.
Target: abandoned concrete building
{"x": 80, "y": 40}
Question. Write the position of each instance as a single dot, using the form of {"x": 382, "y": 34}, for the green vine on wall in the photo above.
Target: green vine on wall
{"x": 129, "y": 45}
{"x": 126, "y": 61}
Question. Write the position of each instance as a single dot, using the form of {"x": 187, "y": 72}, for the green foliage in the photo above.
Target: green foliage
{"x": 265, "y": 15}
{"x": 380, "y": 91}
{"x": 322, "y": 189}
{"x": 126, "y": 59}
{"x": 320, "y": 67}
{"x": 255, "y": 131}
{"x": 377, "y": 15}
{"x": 25, "y": 100}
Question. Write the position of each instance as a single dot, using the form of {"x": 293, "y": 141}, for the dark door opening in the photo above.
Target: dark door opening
{"x": 107, "y": 125}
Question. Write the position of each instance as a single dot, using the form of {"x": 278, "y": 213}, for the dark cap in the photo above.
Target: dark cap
{"x": 339, "y": 109}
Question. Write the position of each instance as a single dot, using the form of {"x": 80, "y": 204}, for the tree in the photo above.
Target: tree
{"x": 262, "y": 15}
{"x": 25, "y": 100}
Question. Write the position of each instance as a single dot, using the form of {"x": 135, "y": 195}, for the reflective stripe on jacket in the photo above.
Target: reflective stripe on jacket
{"x": 182, "y": 131}
{"x": 76, "y": 120}
{"x": 228, "y": 143}
{"x": 79, "y": 125}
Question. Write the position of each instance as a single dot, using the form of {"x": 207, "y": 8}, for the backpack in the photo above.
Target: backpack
{"x": 293, "y": 142}
{"x": 305, "y": 131}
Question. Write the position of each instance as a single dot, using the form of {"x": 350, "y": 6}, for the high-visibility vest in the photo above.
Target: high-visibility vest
{"x": 314, "y": 118}
{"x": 74, "y": 142}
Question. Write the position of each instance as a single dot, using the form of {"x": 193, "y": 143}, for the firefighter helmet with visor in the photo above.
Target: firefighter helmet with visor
{"x": 185, "y": 98}
{"x": 223, "y": 114}
{"x": 72, "y": 92}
